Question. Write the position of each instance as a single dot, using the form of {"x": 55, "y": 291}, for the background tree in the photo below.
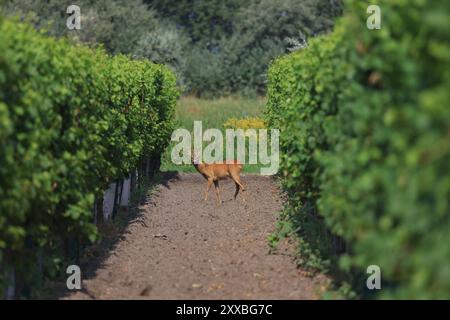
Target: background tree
{"x": 118, "y": 24}
{"x": 238, "y": 61}
{"x": 203, "y": 21}
{"x": 216, "y": 47}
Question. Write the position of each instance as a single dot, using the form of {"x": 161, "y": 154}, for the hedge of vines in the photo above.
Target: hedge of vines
{"x": 365, "y": 137}
{"x": 72, "y": 120}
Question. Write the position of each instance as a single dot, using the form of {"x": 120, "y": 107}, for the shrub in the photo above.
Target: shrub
{"x": 364, "y": 125}
{"x": 72, "y": 120}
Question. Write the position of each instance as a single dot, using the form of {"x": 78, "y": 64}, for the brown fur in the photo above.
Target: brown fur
{"x": 218, "y": 171}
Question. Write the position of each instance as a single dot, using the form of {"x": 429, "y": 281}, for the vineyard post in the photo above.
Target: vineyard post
{"x": 116, "y": 194}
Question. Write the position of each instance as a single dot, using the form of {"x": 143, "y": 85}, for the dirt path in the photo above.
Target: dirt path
{"x": 183, "y": 248}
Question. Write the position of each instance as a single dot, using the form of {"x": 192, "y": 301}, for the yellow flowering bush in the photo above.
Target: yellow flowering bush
{"x": 245, "y": 123}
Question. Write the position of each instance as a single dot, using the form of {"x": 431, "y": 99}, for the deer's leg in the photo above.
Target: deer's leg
{"x": 237, "y": 190}
{"x": 237, "y": 179}
{"x": 208, "y": 186}
{"x": 242, "y": 193}
{"x": 239, "y": 184}
{"x": 216, "y": 185}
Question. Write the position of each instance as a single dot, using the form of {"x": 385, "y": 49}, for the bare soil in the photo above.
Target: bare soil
{"x": 180, "y": 247}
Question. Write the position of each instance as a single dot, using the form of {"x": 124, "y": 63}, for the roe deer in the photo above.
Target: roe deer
{"x": 218, "y": 171}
